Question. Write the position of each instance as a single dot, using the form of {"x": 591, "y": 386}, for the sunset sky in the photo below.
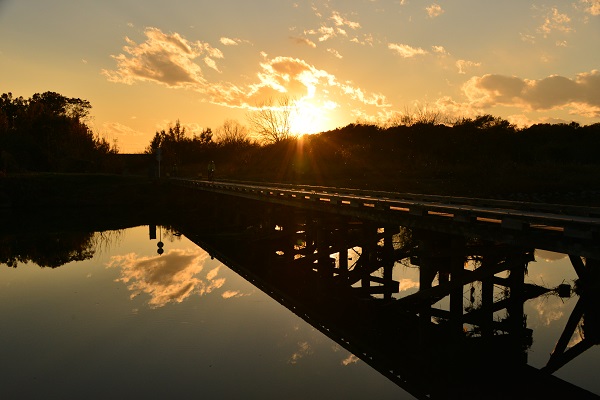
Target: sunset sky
{"x": 143, "y": 64}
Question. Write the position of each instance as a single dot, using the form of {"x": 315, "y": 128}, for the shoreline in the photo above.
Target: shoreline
{"x": 143, "y": 194}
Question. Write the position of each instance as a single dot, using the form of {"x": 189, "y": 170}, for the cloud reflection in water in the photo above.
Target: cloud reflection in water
{"x": 171, "y": 277}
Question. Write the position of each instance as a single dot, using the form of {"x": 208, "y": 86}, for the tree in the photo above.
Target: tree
{"x": 48, "y": 133}
{"x": 271, "y": 120}
{"x": 485, "y": 122}
{"x": 59, "y": 105}
{"x": 420, "y": 115}
{"x": 205, "y": 137}
{"x": 232, "y": 133}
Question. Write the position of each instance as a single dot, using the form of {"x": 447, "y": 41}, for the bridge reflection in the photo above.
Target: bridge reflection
{"x": 462, "y": 334}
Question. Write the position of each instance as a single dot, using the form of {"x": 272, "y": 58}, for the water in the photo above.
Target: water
{"x": 130, "y": 323}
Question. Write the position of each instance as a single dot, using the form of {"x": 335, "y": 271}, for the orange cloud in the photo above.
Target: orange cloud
{"x": 462, "y": 65}
{"x": 553, "y": 92}
{"x": 555, "y": 21}
{"x": 170, "y": 60}
{"x": 166, "y": 59}
{"x": 171, "y": 277}
{"x": 434, "y": 10}
{"x": 591, "y": 6}
{"x": 305, "y": 41}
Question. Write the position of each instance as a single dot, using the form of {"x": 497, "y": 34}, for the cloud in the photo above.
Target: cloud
{"x": 335, "y": 53}
{"x": 326, "y": 32}
{"x": 304, "y": 349}
{"x": 351, "y": 359}
{"x": 304, "y": 41}
{"x": 549, "y": 256}
{"x": 366, "y": 40}
{"x": 296, "y": 78}
{"x": 462, "y": 65}
{"x": 120, "y": 130}
{"x": 591, "y": 6}
{"x": 406, "y": 51}
{"x": 166, "y": 59}
{"x": 581, "y": 94}
{"x": 407, "y": 284}
{"x": 440, "y": 50}
{"x": 341, "y": 21}
{"x": 549, "y": 309}
{"x": 169, "y": 59}
{"x": 434, "y": 10}
{"x": 171, "y": 277}
{"x": 527, "y": 38}
{"x": 555, "y": 21}
{"x": 229, "y": 42}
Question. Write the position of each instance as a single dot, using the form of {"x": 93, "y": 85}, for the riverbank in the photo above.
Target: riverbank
{"x": 97, "y": 201}
{"x": 140, "y": 194}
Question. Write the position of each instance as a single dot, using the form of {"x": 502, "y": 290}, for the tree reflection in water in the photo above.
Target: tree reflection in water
{"x": 461, "y": 333}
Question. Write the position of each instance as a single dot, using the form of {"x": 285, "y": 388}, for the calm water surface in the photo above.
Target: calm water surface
{"x": 130, "y": 323}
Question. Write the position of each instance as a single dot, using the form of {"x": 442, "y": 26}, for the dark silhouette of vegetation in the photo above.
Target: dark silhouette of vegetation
{"x": 272, "y": 119}
{"x": 232, "y": 133}
{"x": 48, "y": 133}
{"x": 47, "y": 250}
{"x": 176, "y": 149}
{"x": 423, "y": 152}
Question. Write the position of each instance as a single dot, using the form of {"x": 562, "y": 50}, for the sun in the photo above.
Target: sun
{"x": 308, "y": 119}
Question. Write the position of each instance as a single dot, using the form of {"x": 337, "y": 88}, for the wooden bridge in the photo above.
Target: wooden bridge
{"x": 462, "y": 335}
{"x": 562, "y": 228}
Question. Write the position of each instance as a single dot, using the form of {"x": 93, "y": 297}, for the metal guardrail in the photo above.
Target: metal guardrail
{"x": 560, "y": 220}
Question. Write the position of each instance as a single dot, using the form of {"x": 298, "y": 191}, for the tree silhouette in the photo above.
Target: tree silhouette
{"x": 271, "y": 120}
{"x": 177, "y": 148}
{"x": 232, "y": 133}
{"x": 48, "y": 132}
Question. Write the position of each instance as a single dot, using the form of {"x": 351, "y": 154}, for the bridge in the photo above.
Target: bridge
{"x": 563, "y": 228}
{"x": 435, "y": 343}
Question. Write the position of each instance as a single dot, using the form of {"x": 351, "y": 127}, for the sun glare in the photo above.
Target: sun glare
{"x": 308, "y": 119}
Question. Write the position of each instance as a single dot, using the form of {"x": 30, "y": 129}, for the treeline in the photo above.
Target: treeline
{"x": 479, "y": 156}
{"x": 469, "y": 155}
{"x": 48, "y": 132}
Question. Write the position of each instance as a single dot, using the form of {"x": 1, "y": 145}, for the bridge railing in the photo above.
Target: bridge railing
{"x": 567, "y": 209}
{"x": 553, "y": 219}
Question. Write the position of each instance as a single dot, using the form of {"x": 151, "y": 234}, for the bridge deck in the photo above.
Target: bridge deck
{"x": 556, "y": 227}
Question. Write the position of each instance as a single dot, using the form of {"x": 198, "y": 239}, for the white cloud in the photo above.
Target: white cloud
{"x": 340, "y": 21}
{"x": 406, "y": 51}
{"x": 294, "y": 77}
{"x": 210, "y": 62}
{"x": 434, "y": 10}
{"x": 335, "y": 53}
{"x": 440, "y": 50}
{"x": 229, "y": 42}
